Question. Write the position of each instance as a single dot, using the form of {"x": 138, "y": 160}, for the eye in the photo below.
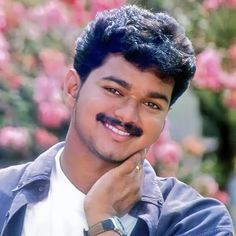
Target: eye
{"x": 152, "y": 105}
{"x": 113, "y": 91}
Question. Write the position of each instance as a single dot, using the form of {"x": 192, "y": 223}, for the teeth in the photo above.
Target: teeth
{"x": 115, "y": 130}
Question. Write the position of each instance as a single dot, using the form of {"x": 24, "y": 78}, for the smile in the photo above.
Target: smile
{"x": 117, "y": 131}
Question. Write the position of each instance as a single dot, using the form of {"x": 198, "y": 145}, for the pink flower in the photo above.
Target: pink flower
{"x": 101, "y": 5}
{"x": 168, "y": 153}
{"x": 47, "y": 89}
{"x": 164, "y": 136}
{"x": 70, "y": 2}
{"x": 194, "y": 146}
{"x": 14, "y": 137}
{"x": 214, "y": 4}
{"x": 18, "y": 9}
{"x": 44, "y": 138}
{"x": 51, "y": 111}
{"x": 209, "y": 71}
{"x": 229, "y": 80}
{"x": 54, "y": 15}
{"x": 52, "y": 114}
{"x": 78, "y": 13}
{"x": 4, "y": 54}
{"x": 48, "y": 16}
{"x": 15, "y": 11}
{"x": 3, "y": 22}
{"x": 211, "y": 4}
{"x": 230, "y": 98}
{"x": 163, "y": 139}
{"x": 4, "y": 59}
{"x": 165, "y": 158}
{"x": 14, "y": 81}
{"x": 53, "y": 63}
{"x": 151, "y": 158}
{"x": 230, "y": 3}
{"x": 222, "y": 196}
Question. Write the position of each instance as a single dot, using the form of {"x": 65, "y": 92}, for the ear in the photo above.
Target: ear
{"x": 71, "y": 86}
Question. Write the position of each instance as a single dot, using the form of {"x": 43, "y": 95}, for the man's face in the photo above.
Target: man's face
{"x": 119, "y": 110}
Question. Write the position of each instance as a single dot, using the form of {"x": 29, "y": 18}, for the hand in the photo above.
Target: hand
{"x": 116, "y": 192}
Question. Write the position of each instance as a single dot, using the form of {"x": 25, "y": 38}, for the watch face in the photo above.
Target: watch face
{"x": 108, "y": 225}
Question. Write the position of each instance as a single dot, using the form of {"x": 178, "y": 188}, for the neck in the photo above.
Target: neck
{"x": 80, "y": 166}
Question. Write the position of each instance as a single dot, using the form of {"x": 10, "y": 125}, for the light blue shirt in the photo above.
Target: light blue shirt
{"x": 168, "y": 207}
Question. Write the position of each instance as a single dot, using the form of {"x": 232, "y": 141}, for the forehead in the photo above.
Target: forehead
{"x": 116, "y": 65}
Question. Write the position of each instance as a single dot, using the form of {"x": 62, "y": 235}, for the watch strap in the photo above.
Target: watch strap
{"x": 96, "y": 229}
{"x": 112, "y": 223}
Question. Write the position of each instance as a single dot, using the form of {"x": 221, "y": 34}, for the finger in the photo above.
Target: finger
{"x": 138, "y": 173}
{"x": 143, "y": 154}
{"x": 142, "y": 157}
{"x": 131, "y": 163}
{"x": 139, "y": 166}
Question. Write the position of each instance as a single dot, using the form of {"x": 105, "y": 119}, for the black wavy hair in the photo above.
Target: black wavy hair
{"x": 150, "y": 41}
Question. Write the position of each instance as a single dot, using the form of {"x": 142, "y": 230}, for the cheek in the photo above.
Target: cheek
{"x": 93, "y": 97}
{"x": 89, "y": 104}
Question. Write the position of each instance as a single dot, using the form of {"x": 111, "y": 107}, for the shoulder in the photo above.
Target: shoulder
{"x": 9, "y": 180}
{"x": 172, "y": 186}
{"x": 187, "y": 212}
{"x": 10, "y": 176}
{"x": 41, "y": 166}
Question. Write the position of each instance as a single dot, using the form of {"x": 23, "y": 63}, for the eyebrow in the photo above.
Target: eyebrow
{"x": 157, "y": 95}
{"x": 124, "y": 84}
{"x": 121, "y": 82}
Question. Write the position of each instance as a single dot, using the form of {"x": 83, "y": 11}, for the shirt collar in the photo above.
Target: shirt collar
{"x": 41, "y": 168}
{"x": 150, "y": 190}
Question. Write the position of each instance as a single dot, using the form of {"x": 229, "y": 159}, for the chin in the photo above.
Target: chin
{"x": 112, "y": 158}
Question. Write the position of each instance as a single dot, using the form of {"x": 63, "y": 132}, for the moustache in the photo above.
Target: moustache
{"x": 128, "y": 126}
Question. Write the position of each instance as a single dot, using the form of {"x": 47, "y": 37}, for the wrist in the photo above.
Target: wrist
{"x": 96, "y": 219}
{"x": 112, "y": 224}
{"x": 95, "y": 215}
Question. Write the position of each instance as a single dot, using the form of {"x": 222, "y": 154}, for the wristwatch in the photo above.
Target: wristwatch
{"x": 112, "y": 223}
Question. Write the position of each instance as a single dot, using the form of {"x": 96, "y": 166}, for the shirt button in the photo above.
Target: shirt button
{"x": 40, "y": 188}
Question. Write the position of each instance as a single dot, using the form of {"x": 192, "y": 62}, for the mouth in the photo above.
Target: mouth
{"x": 116, "y": 130}
{"x": 119, "y": 127}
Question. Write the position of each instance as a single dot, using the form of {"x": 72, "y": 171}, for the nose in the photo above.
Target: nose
{"x": 128, "y": 111}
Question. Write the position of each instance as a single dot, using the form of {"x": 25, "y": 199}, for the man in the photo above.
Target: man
{"x": 130, "y": 66}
